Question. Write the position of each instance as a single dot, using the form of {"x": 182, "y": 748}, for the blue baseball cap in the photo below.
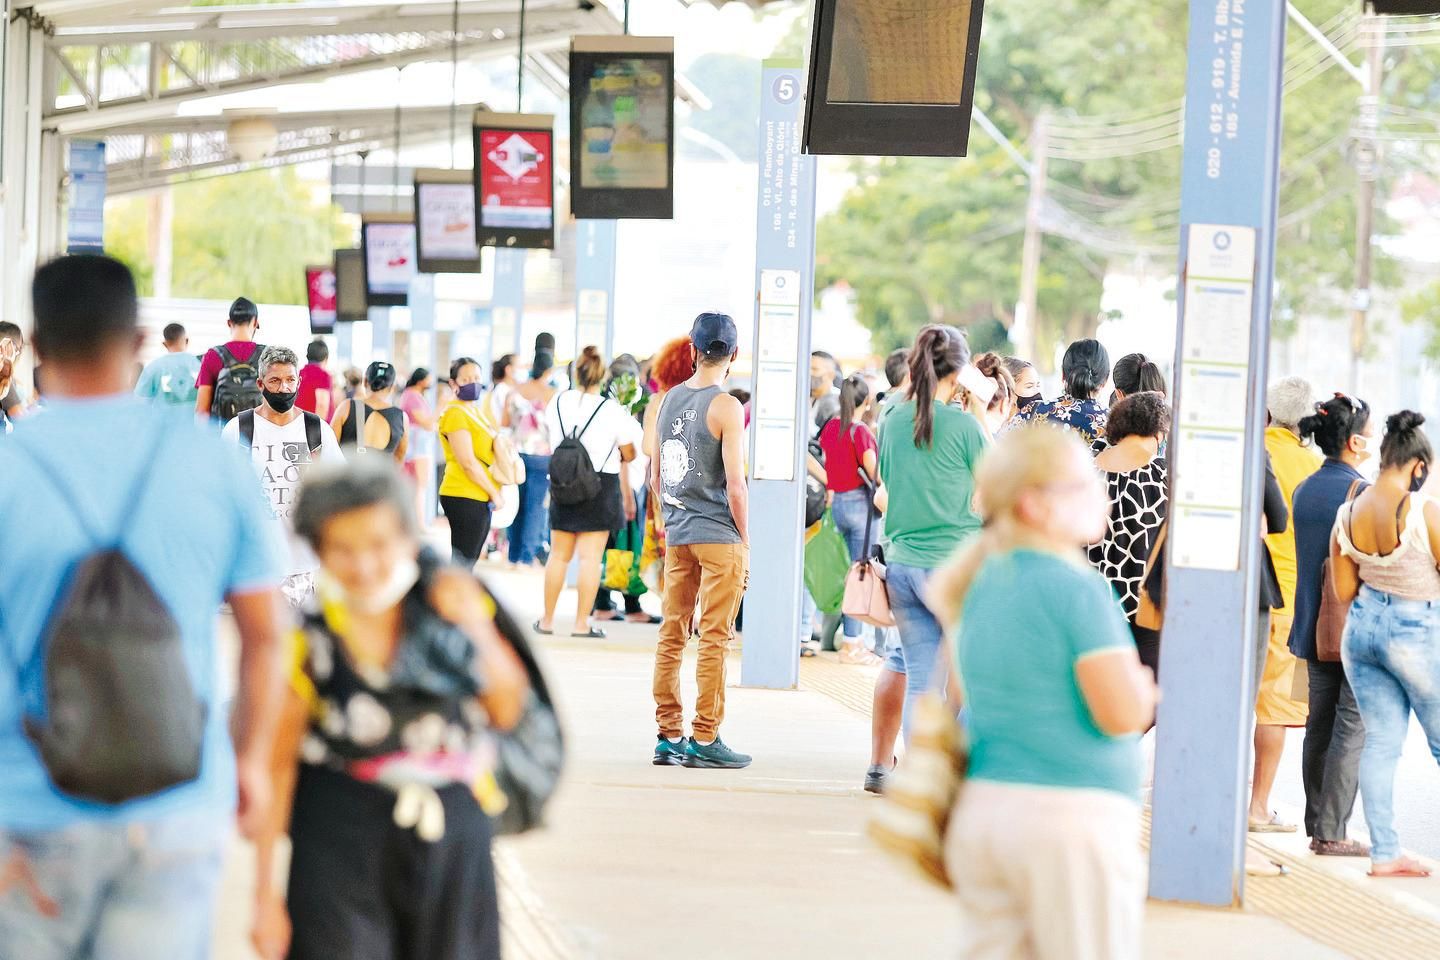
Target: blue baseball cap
{"x": 714, "y": 335}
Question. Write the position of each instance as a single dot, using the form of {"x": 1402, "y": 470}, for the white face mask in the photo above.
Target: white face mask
{"x": 402, "y": 579}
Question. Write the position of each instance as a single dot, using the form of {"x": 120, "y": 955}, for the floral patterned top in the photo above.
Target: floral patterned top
{"x": 415, "y": 723}
{"x": 1086, "y": 417}
{"x": 528, "y": 426}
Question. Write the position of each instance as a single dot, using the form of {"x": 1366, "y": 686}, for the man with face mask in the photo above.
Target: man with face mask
{"x": 284, "y": 441}
{"x": 698, "y": 475}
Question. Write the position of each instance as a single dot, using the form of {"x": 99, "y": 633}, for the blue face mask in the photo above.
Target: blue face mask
{"x": 468, "y": 392}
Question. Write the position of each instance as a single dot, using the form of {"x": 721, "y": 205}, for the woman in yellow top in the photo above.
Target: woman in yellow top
{"x": 467, "y": 494}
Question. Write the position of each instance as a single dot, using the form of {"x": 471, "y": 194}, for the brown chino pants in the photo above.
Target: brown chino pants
{"x": 714, "y": 575}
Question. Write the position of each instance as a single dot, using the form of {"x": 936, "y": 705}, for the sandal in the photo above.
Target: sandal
{"x": 1273, "y": 825}
{"x": 649, "y": 618}
{"x": 856, "y": 655}
{"x": 541, "y": 630}
{"x": 594, "y": 633}
{"x": 808, "y": 650}
{"x": 1403, "y": 867}
{"x": 1339, "y": 848}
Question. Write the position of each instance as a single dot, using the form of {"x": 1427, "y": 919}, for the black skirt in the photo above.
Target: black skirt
{"x": 602, "y": 513}
{"x": 363, "y": 888}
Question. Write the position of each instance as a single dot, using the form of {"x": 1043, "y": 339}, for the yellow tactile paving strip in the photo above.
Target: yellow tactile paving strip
{"x": 527, "y": 931}
{"x": 1326, "y": 908}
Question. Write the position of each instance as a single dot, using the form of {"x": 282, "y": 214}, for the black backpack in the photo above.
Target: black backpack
{"x": 573, "y": 477}
{"x": 313, "y": 436}
{"x": 237, "y": 386}
{"x": 122, "y": 720}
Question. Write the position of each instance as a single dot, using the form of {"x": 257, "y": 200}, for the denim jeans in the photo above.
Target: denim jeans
{"x": 532, "y": 521}
{"x": 920, "y": 632}
{"x": 1392, "y": 657}
{"x": 112, "y": 891}
{"x": 850, "y": 510}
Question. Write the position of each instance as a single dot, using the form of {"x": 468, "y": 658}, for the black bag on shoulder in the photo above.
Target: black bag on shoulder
{"x": 573, "y": 477}
{"x": 237, "y": 385}
{"x": 122, "y": 717}
{"x": 532, "y": 755}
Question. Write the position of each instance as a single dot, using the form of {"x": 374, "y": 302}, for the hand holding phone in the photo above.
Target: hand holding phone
{"x": 978, "y": 384}
{"x": 9, "y": 349}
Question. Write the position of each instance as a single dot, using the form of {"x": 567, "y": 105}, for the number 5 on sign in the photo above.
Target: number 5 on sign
{"x": 785, "y": 89}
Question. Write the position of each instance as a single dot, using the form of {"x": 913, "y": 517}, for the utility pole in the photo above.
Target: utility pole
{"x": 1022, "y": 331}
{"x": 1367, "y": 168}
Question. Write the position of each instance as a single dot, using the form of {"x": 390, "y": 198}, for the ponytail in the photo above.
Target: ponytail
{"x": 939, "y": 351}
{"x": 854, "y": 391}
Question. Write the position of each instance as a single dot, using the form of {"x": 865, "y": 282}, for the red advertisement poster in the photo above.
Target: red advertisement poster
{"x": 516, "y": 179}
{"x": 320, "y": 282}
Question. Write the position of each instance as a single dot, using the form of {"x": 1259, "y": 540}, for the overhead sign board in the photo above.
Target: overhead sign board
{"x": 445, "y": 221}
{"x": 514, "y": 179}
{"x": 622, "y": 127}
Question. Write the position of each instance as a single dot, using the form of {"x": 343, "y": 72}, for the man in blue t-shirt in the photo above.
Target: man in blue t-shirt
{"x": 171, "y": 376}
{"x": 136, "y": 879}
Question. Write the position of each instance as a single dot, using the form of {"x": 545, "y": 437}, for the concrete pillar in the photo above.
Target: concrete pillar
{"x": 21, "y": 86}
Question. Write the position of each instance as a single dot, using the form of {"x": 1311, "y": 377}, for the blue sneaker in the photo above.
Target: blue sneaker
{"x": 714, "y": 756}
{"x": 669, "y": 754}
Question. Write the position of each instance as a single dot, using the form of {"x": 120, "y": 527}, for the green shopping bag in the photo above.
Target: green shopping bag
{"x": 622, "y": 561}
{"x": 827, "y": 562}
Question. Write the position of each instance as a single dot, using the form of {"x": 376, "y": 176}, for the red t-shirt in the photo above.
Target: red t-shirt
{"x": 843, "y": 453}
{"x": 313, "y": 380}
{"x": 211, "y": 365}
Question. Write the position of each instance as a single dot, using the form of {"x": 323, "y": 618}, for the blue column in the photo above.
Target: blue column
{"x": 507, "y": 304}
{"x": 595, "y": 285}
{"x": 344, "y": 345}
{"x": 381, "y": 342}
{"x": 1228, "y": 210}
{"x": 784, "y": 281}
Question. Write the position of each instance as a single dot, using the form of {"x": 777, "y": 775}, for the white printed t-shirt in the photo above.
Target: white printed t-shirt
{"x": 281, "y": 457}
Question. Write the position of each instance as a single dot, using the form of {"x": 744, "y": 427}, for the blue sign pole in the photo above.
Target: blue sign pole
{"x": 86, "y": 226}
{"x": 785, "y": 284}
{"x": 1217, "y": 455}
{"x": 507, "y": 303}
{"x": 595, "y": 285}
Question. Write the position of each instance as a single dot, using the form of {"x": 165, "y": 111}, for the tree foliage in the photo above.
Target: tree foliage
{"x": 251, "y": 233}
{"x": 926, "y": 240}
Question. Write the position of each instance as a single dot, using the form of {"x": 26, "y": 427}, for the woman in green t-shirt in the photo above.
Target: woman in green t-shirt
{"x": 1045, "y": 840}
{"x": 929, "y": 449}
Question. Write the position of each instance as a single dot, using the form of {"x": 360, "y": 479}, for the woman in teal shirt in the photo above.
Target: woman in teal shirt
{"x": 1044, "y": 843}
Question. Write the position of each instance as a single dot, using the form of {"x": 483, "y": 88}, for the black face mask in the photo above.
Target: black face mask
{"x": 1022, "y": 402}
{"x": 280, "y": 402}
{"x": 1418, "y": 480}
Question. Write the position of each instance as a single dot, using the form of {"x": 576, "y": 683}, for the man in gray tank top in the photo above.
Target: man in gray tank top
{"x": 698, "y": 476}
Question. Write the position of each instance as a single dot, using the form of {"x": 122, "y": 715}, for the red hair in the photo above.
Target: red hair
{"x": 673, "y": 364}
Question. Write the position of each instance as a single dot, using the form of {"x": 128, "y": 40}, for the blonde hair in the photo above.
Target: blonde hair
{"x": 590, "y": 368}
{"x": 1020, "y": 461}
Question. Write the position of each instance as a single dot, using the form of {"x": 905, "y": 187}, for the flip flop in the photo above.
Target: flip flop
{"x": 1411, "y": 869}
{"x": 1273, "y": 825}
{"x": 541, "y": 630}
{"x": 594, "y": 633}
{"x": 650, "y": 618}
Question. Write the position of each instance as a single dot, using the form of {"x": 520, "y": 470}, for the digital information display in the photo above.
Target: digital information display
{"x": 445, "y": 221}
{"x": 390, "y": 259}
{"x": 321, "y": 296}
{"x": 883, "y": 82}
{"x": 350, "y": 299}
{"x": 622, "y": 127}
{"x": 515, "y": 179}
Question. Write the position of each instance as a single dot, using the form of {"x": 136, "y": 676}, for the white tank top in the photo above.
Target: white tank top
{"x": 1409, "y": 571}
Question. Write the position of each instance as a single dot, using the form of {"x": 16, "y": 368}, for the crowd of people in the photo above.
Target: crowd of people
{"x": 406, "y": 685}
